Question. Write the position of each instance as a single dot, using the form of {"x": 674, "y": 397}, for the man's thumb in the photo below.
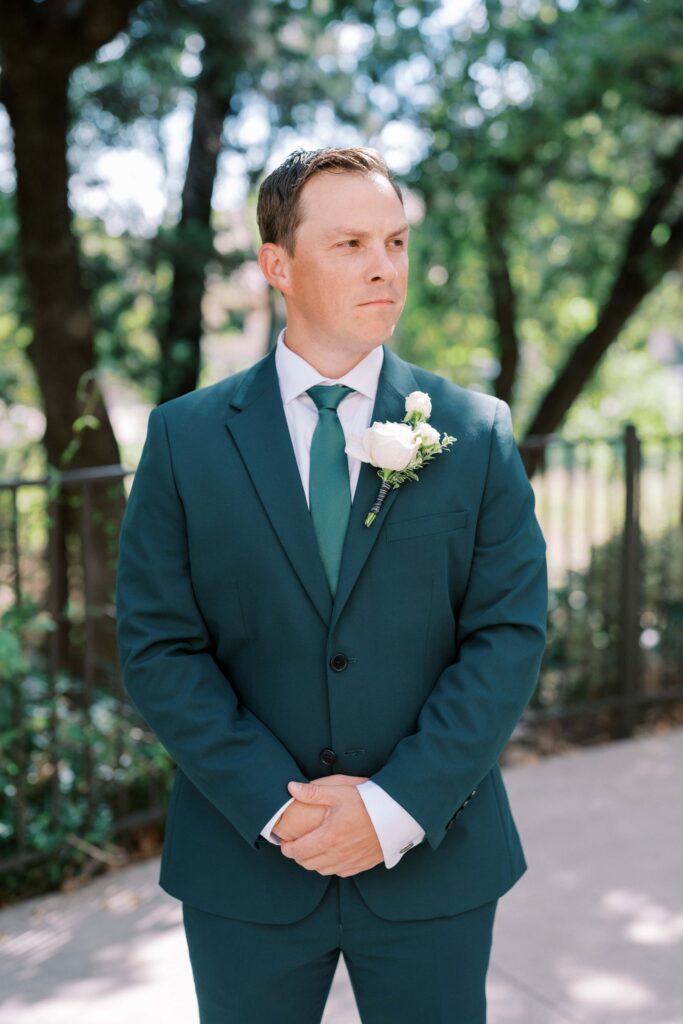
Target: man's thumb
{"x": 309, "y": 793}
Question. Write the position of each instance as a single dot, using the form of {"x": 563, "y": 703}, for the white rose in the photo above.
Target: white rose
{"x": 427, "y": 434}
{"x": 385, "y": 445}
{"x": 419, "y": 401}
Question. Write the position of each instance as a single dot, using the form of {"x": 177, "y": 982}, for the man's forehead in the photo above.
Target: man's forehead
{"x": 330, "y": 213}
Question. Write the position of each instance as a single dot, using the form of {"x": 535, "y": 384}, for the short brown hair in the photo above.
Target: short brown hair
{"x": 278, "y": 212}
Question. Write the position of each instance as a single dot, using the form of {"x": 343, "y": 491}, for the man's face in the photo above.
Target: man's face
{"x": 351, "y": 249}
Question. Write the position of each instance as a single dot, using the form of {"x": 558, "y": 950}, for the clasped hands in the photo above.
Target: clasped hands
{"x": 327, "y": 827}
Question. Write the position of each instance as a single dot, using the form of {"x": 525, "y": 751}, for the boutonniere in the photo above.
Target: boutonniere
{"x": 399, "y": 449}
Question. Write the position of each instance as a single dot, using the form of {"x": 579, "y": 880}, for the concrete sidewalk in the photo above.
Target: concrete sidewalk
{"x": 591, "y": 934}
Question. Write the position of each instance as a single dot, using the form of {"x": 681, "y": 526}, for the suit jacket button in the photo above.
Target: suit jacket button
{"x": 339, "y": 662}
{"x": 328, "y": 756}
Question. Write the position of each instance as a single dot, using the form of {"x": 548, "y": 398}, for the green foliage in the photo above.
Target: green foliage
{"x": 530, "y": 135}
{"x": 49, "y": 733}
{"x": 544, "y": 137}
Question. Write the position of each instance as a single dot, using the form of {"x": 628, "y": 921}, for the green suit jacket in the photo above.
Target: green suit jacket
{"x": 250, "y": 673}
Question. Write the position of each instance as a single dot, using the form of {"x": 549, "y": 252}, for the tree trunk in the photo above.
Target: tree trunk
{"x": 62, "y": 349}
{"x": 503, "y": 297}
{"x": 642, "y": 268}
{"x": 193, "y": 242}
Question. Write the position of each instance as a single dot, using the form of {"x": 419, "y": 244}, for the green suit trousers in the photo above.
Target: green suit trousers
{"x": 402, "y": 972}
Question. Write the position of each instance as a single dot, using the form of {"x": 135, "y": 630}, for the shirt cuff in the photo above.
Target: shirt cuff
{"x": 396, "y": 829}
{"x": 266, "y": 830}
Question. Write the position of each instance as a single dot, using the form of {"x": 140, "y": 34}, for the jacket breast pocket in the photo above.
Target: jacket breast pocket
{"x": 421, "y": 526}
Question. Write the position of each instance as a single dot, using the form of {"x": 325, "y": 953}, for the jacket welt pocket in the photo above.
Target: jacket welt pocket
{"x": 436, "y": 522}
{"x": 235, "y": 599}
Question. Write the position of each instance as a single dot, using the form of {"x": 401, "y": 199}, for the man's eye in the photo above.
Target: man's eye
{"x": 353, "y": 241}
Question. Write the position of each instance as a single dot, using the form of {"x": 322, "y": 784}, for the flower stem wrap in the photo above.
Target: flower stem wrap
{"x": 384, "y": 489}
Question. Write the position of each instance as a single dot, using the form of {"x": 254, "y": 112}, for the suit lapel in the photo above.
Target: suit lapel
{"x": 395, "y": 382}
{"x": 259, "y": 428}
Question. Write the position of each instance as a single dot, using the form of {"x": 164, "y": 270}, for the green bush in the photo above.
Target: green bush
{"x": 582, "y": 659}
{"x": 74, "y": 758}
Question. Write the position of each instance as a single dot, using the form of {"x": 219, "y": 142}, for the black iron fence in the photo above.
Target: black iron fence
{"x": 612, "y": 514}
{"x": 78, "y": 768}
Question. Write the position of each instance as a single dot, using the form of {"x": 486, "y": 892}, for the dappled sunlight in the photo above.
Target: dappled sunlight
{"x": 593, "y": 932}
{"x": 91, "y": 942}
{"x": 609, "y": 990}
{"x": 646, "y": 922}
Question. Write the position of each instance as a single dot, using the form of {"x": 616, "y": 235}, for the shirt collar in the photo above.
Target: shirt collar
{"x": 296, "y": 375}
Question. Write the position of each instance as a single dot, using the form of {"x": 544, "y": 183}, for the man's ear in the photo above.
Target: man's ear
{"x": 272, "y": 260}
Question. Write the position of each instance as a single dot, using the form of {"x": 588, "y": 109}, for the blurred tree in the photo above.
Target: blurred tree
{"x": 550, "y": 137}
{"x": 41, "y": 44}
{"x": 551, "y": 183}
{"x": 214, "y": 58}
{"x": 223, "y": 38}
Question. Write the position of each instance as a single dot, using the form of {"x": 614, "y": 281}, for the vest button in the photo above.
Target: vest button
{"x": 339, "y": 662}
{"x": 328, "y": 756}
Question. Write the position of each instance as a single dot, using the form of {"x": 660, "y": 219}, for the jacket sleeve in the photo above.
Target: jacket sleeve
{"x": 167, "y": 667}
{"x": 477, "y": 700}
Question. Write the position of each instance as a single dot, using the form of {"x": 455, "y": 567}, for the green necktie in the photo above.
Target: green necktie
{"x": 329, "y": 485}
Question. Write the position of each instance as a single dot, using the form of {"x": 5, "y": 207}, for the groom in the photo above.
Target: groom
{"x": 269, "y": 638}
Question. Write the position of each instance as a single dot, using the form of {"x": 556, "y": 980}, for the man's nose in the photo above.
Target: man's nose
{"x": 381, "y": 265}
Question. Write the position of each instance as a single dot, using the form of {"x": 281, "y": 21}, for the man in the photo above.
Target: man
{"x": 270, "y": 637}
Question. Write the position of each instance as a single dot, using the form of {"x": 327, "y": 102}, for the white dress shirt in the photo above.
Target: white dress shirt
{"x": 396, "y": 830}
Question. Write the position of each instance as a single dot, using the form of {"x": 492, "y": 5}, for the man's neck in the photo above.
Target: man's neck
{"x": 330, "y": 363}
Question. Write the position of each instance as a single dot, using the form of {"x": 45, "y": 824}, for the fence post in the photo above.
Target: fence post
{"x": 630, "y": 583}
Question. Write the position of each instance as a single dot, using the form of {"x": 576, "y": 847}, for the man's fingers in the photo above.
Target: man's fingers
{"x": 318, "y": 841}
{"x": 300, "y": 818}
{"x": 312, "y": 844}
{"x": 305, "y": 856}
{"x": 325, "y": 863}
{"x": 318, "y": 791}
